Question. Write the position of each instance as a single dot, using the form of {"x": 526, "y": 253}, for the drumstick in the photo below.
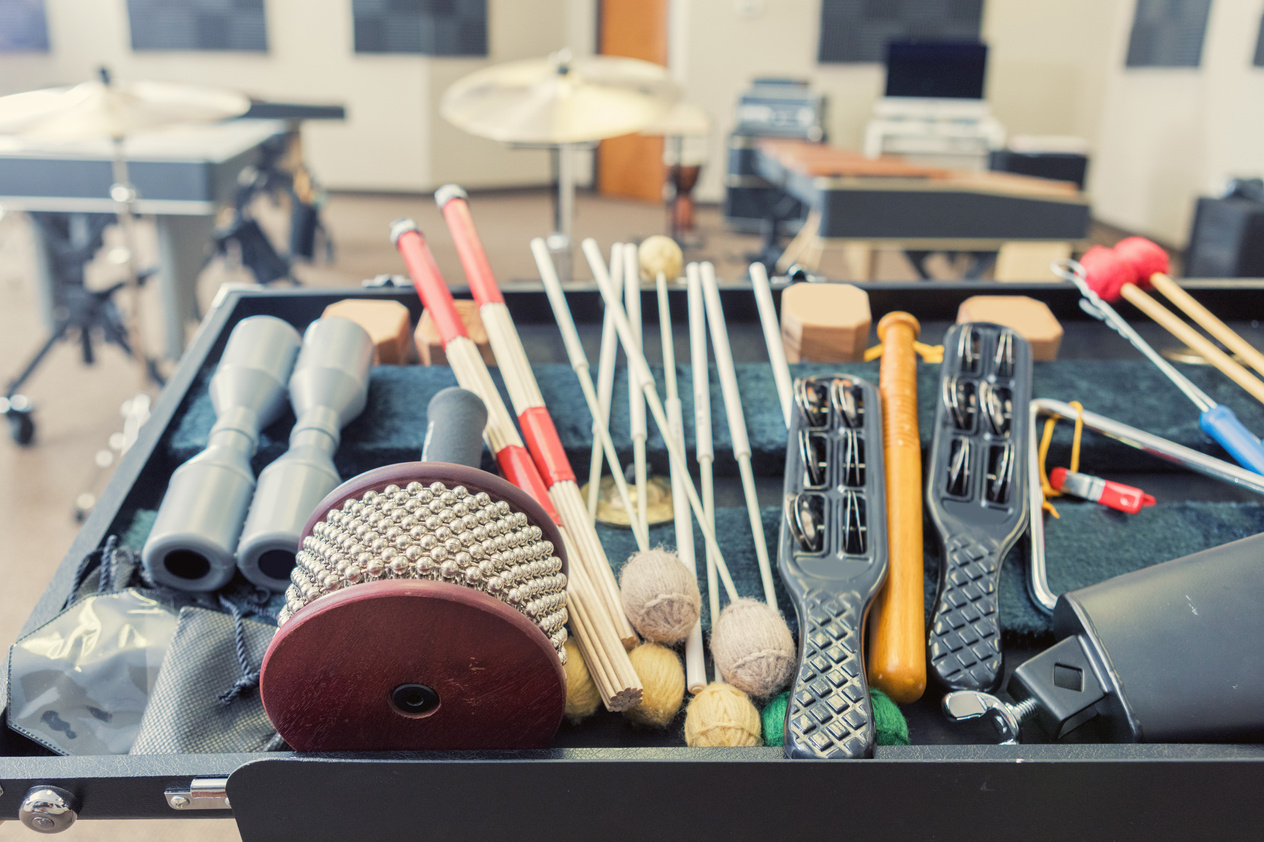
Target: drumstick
{"x": 897, "y": 637}
{"x": 636, "y": 403}
{"x": 599, "y": 642}
{"x": 605, "y": 394}
{"x": 695, "y": 662}
{"x": 675, "y": 453}
{"x": 579, "y": 364}
{"x": 772, "y": 338}
{"x": 524, "y": 393}
{"x": 704, "y": 447}
{"x": 1149, "y": 263}
{"x": 737, "y": 423}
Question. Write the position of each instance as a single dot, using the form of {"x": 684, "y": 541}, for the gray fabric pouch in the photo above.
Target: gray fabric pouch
{"x": 199, "y": 704}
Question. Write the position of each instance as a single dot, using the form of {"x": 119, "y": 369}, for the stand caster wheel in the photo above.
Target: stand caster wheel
{"x": 17, "y": 411}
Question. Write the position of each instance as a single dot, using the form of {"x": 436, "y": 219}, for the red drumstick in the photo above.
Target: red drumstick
{"x": 537, "y": 425}
{"x": 600, "y": 640}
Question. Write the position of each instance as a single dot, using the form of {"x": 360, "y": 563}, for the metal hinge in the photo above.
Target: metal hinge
{"x": 200, "y": 794}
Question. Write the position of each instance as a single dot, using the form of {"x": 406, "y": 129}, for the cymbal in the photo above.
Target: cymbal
{"x": 116, "y": 110}
{"x": 560, "y": 99}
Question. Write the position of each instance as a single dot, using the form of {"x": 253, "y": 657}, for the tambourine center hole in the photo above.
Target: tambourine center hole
{"x": 414, "y": 700}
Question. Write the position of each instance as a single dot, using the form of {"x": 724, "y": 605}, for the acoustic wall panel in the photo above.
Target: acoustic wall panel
{"x": 423, "y": 27}
{"x": 23, "y": 26}
{"x": 1168, "y": 33}
{"x": 854, "y": 31}
{"x": 214, "y": 25}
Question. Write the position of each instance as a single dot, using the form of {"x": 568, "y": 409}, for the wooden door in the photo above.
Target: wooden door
{"x": 632, "y": 166}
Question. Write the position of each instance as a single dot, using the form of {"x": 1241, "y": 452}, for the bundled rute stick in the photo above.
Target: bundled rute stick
{"x": 600, "y": 643}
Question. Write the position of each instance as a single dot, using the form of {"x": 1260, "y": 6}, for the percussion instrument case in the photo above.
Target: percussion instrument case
{"x": 604, "y": 779}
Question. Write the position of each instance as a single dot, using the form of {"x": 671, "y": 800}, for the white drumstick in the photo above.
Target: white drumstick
{"x": 695, "y": 661}
{"x": 605, "y": 394}
{"x": 675, "y": 452}
{"x": 705, "y": 448}
{"x": 772, "y": 338}
{"x": 737, "y": 424}
{"x": 579, "y": 364}
{"x": 636, "y": 403}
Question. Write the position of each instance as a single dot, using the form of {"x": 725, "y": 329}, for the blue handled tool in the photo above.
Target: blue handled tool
{"x": 1216, "y": 420}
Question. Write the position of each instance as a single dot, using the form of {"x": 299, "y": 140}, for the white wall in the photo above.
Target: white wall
{"x": 1045, "y": 65}
{"x": 1169, "y": 135}
{"x": 1160, "y": 137}
{"x": 393, "y": 138}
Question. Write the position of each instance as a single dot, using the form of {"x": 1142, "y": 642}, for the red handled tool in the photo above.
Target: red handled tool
{"x": 1116, "y": 495}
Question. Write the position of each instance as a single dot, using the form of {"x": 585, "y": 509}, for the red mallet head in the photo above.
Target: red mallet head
{"x": 1106, "y": 273}
{"x": 1144, "y": 257}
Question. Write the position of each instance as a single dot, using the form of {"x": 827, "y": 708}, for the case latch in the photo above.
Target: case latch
{"x": 200, "y": 794}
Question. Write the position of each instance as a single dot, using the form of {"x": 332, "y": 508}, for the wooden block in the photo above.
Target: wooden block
{"x": 430, "y": 346}
{"x": 1029, "y": 261}
{"x": 1032, "y": 319}
{"x": 824, "y": 322}
{"x": 388, "y": 324}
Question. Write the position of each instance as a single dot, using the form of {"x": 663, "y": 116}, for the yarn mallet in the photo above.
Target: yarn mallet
{"x": 427, "y": 608}
{"x": 695, "y": 658}
{"x": 721, "y": 715}
{"x": 660, "y": 596}
{"x": 664, "y": 681}
{"x": 1134, "y": 265}
{"x": 1150, "y": 262}
{"x": 1216, "y": 420}
{"x": 659, "y": 255}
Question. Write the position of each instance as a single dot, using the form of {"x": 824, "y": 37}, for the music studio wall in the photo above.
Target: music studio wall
{"x": 1160, "y": 136}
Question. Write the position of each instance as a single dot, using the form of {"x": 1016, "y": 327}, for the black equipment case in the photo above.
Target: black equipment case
{"x": 605, "y": 781}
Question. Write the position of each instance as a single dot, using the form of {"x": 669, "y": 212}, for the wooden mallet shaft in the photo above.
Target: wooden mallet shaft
{"x": 897, "y": 624}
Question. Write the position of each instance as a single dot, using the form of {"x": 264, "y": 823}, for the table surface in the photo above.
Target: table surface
{"x": 211, "y": 143}
{"x": 837, "y": 168}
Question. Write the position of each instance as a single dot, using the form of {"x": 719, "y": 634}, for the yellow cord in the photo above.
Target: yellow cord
{"x": 1045, "y": 441}
{"x": 929, "y": 353}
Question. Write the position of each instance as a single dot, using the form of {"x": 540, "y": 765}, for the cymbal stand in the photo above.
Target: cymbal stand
{"x": 560, "y": 242}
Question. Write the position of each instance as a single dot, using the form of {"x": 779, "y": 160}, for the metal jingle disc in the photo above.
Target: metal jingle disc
{"x": 412, "y": 665}
{"x": 474, "y": 479}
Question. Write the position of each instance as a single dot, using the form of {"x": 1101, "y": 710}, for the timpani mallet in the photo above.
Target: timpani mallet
{"x": 1216, "y": 420}
{"x": 772, "y": 338}
{"x": 641, "y": 370}
{"x": 897, "y": 636}
{"x": 1112, "y": 275}
{"x": 737, "y": 423}
{"x": 695, "y": 661}
{"x": 704, "y": 445}
{"x": 636, "y": 400}
{"x": 1149, "y": 261}
{"x": 605, "y": 395}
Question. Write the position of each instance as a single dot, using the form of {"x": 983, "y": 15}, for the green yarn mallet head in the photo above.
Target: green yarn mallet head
{"x": 888, "y": 722}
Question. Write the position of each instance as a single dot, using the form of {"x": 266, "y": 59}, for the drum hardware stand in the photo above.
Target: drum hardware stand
{"x": 80, "y": 309}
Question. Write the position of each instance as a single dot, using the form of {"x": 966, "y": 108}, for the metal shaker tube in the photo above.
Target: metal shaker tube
{"x": 833, "y": 558}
